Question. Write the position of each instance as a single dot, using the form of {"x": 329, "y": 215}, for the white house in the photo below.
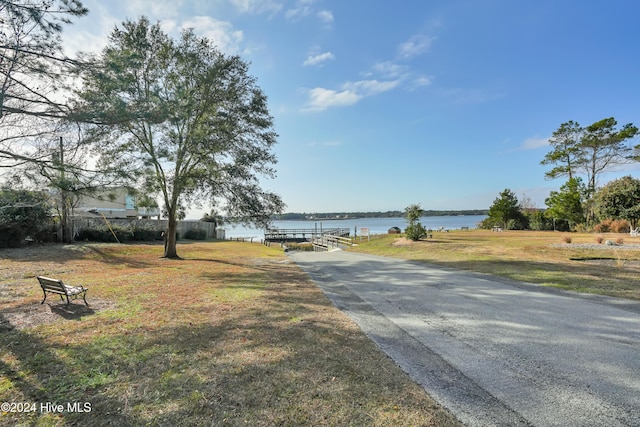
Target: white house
{"x": 118, "y": 202}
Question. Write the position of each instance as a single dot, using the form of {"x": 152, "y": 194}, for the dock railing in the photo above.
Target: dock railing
{"x": 322, "y": 239}
{"x": 327, "y": 242}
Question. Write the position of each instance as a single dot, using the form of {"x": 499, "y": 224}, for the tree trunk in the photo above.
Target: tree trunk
{"x": 65, "y": 218}
{"x": 170, "y": 241}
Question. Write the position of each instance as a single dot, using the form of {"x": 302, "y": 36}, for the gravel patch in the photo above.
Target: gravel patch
{"x": 603, "y": 246}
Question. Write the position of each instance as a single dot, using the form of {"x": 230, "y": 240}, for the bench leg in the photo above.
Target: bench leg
{"x": 45, "y": 297}
{"x": 84, "y": 297}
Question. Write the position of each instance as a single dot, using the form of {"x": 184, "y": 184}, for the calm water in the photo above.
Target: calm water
{"x": 375, "y": 225}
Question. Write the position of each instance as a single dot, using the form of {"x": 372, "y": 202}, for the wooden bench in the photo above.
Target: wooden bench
{"x": 56, "y": 286}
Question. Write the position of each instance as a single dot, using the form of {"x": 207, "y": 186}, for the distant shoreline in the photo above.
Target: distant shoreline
{"x": 317, "y": 216}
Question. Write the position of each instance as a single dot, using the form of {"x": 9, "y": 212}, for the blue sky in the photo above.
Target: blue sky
{"x": 382, "y": 104}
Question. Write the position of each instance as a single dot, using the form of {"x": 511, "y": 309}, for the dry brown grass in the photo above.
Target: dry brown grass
{"x": 538, "y": 257}
{"x": 233, "y": 334}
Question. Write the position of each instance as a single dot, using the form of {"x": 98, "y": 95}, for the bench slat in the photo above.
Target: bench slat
{"x": 57, "y": 287}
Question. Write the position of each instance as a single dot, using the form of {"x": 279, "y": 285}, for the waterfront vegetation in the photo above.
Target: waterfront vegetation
{"x": 582, "y": 262}
{"x": 233, "y": 334}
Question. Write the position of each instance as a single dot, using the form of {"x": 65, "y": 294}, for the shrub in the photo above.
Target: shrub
{"x": 104, "y": 234}
{"x": 538, "y": 221}
{"x": 603, "y": 227}
{"x": 599, "y": 239}
{"x": 24, "y": 214}
{"x": 145, "y": 235}
{"x": 613, "y": 226}
{"x": 101, "y": 233}
{"x": 10, "y": 236}
{"x": 566, "y": 239}
{"x": 415, "y": 231}
{"x": 620, "y": 226}
{"x": 619, "y": 240}
{"x": 196, "y": 234}
{"x": 582, "y": 228}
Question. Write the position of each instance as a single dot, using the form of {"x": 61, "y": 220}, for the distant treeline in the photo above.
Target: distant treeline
{"x": 388, "y": 214}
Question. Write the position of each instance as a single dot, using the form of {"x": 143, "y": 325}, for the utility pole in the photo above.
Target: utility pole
{"x": 64, "y": 198}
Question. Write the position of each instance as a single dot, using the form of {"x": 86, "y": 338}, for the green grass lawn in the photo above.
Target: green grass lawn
{"x": 537, "y": 257}
{"x": 233, "y": 335}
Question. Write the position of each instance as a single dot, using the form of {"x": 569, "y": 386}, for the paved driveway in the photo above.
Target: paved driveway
{"x": 491, "y": 350}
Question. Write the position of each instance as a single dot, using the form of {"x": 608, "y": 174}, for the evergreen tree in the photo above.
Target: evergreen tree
{"x": 415, "y": 230}
{"x": 504, "y": 209}
{"x": 568, "y": 203}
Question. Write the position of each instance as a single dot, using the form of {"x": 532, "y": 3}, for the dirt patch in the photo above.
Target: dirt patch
{"x": 403, "y": 241}
{"x": 32, "y": 314}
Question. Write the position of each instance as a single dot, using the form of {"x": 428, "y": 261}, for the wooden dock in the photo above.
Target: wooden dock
{"x": 322, "y": 239}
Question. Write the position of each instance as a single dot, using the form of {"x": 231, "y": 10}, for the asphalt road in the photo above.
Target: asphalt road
{"x": 491, "y": 350}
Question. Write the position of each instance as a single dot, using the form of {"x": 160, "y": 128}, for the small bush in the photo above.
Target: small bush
{"x": 581, "y": 228}
{"x": 620, "y": 226}
{"x": 104, "y": 234}
{"x": 144, "y": 235}
{"x": 415, "y": 231}
{"x": 566, "y": 239}
{"x": 196, "y": 234}
{"x": 619, "y": 240}
{"x": 599, "y": 240}
{"x": 613, "y": 226}
{"x": 10, "y": 236}
{"x": 603, "y": 227}
{"x": 24, "y": 215}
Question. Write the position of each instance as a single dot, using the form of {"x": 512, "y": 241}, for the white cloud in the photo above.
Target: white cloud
{"x": 400, "y": 73}
{"x": 390, "y": 69}
{"x": 351, "y": 93}
{"x": 155, "y": 10}
{"x": 85, "y": 41}
{"x": 370, "y": 87}
{"x": 321, "y": 99}
{"x": 90, "y": 33}
{"x": 170, "y": 26}
{"x": 415, "y": 46}
{"x": 318, "y": 59}
{"x": 534, "y": 143}
{"x": 326, "y": 17}
{"x": 324, "y": 144}
{"x": 300, "y": 10}
{"x": 257, "y": 6}
{"x": 422, "y": 81}
{"x": 221, "y": 33}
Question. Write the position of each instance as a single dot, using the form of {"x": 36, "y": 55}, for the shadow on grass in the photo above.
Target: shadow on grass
{"x": 57, "y": 252}
{"x": 273, "y": 364}
{"x": 109, "y": 257}
{"x": 267, "y": 274}
{"x": 72, "y": 311}
{"x": 38, "y": 375}
{"x": 280, "y": 357}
